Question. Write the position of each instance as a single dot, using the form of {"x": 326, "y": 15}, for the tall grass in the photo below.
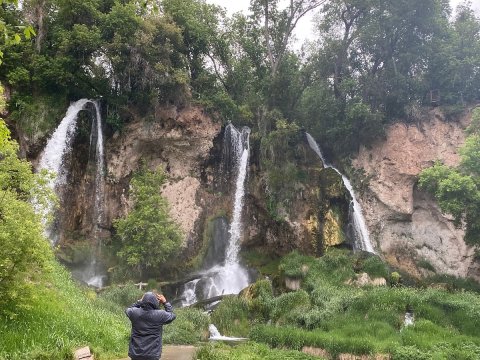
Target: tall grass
{"x": 340, "y": 318}
{"x": 63, "y": 316}
{"x": 60, "y": 318}
{"x": 249, "y": 351}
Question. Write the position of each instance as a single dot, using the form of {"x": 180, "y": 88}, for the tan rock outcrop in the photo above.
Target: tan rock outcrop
{"x": 179, "y": 141}
{"x": 407, "y": 223}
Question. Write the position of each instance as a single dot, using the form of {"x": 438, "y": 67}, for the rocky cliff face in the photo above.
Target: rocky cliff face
{"x": 293, "y": 202}
{"x": 406, "y": 224}
{"x": 180, "y": 141}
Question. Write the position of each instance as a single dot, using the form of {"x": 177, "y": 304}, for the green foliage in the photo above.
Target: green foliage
{"x": 190, "y": 327}
{"x": 375, "y": 267}
{"x": 231, "y": 317}
{"x": 148, "y": 237}
{"x": 457, "y": 189}
{"x": 278, "y": 153}
{"x": 250, "y": 351}
{"x": 295, "y": 338}
{"x": 122, "y": 296}
{"x": 24, "y": 251}
{"x": 296, "y": 265}
{"x": 73, "y": 318}
{"x": 344, "y": 319}
{"x": 37, "y": 117}
{"x": 425, "y": 264}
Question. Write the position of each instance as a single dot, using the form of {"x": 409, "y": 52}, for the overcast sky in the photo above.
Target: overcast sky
{"x": 304, "y": 27}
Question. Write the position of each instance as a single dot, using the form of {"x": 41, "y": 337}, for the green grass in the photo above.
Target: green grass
{"x": 231, "y": 317}
{"x": 249, "y": 351}
{"x": 190, "y": 327}
{"x": 63, "y": 316}
{"x": 328, "y": 314}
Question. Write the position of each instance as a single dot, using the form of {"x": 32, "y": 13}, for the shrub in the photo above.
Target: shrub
{"x": 122, "y": 296}
{"x": 231, "y": 317}
{"x": 190, "y": 327}
{"x": 375, "y": 267}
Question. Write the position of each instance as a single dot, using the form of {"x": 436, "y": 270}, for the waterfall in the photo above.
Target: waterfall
{"x": 52, "y": 159}
{"x": 228, "y": 277}
{"x": 100, "y": 170}
{"x": 52, "y": 156}
{"x": 362, "y": 238}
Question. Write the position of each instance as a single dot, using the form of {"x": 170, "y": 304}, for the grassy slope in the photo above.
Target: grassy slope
{"x": 340, "y": 318}
{"x": 63, "y": 316}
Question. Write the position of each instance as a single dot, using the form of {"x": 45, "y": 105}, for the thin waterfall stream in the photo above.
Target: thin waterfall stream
{"x": 362, "y": 237}
{"x": 228, "y": 276}
{"x": 53, "y": 160}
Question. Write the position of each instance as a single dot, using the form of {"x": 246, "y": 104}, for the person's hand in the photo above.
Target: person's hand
{"x": 161, "y": 298}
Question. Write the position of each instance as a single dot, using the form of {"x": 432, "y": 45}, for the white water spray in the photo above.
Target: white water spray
{"x": 359, "y": 225}
{"x": 230, "y": 277}
{"x": 60, "y": 143}
{"x": 216, "y": 336}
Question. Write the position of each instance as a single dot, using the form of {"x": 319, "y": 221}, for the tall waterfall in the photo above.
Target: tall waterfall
{"x": 229, "y": 276}
{"x": 362, "y": 238}
{"x": 52, "y": 159}
{"x": 100, "y": 170}
{"x": 52, "y": 156}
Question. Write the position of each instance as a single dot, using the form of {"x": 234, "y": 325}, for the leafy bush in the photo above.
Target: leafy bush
{"x": 295, "y": 338}
{"x": 375, "y": 267}
{"x": 289, "y": 306}
{"x": 409, "y": 353}
{"x": 295, "y": 265}
{"x": 24, "y": 250}
{"x": 190, "y": 327}
{"x": 231, "y": 317}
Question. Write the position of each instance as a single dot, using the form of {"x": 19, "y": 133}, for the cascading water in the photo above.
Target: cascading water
{"x": 362, "y": 238}
{"x": 100, "y": 171}
{"x": 52, "y": 159}
{"x": 215, "y": 335}
{"x": 52, "y": 156}
{"x": 228, "y": 277}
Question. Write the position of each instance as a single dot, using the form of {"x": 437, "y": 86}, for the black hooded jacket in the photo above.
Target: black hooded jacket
{"x": 147, "y": 326}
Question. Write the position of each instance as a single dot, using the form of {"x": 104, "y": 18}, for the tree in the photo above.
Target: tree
{"x": 148, "y": 236}
{"x": 278, "y": 25}
{"x": 24, "y": 250}
{"x": 457, "y": 190}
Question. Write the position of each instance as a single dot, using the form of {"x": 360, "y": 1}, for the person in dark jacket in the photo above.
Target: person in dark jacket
{"x": 147, "y": 326}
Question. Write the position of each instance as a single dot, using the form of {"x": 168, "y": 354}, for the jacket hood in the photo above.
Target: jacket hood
{"x": 151, "y": 299}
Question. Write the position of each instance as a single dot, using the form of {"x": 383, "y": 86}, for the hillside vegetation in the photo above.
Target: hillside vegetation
{"x": 329, "y": 314}
{"x": 372, "y": 62}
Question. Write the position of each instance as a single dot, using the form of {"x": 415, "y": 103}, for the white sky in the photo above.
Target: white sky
{"x": 304, "y": 27}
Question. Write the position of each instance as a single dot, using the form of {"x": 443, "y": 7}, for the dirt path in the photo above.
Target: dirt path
{"x": 174, "y": 352}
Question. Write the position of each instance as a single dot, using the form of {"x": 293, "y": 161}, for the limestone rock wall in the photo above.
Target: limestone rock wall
{"x": 180, "y": 142}
{"x": 406, "y": 224}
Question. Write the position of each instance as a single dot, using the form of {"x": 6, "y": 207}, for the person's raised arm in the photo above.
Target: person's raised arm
{"x": 168, "y": 315}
